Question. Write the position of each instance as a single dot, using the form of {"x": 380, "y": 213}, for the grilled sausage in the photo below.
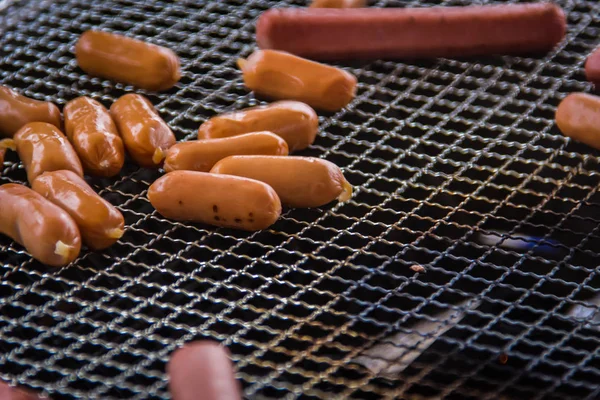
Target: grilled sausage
{"x": 412, "y": 33}
{"x": 283, "y": 76}
{"x": 17, "y": 110}
{"x": 220, "y": 200}
{"x": 127, "y": 60}
{"x": 298, "y": 181}
{"x": 146, "y": 136}
{"x": 578, "y": 116}
{"x": 42, "y": 147}
{"x": 295, "y": 122}
{"x": 338, "y": 3}
{"x": 94, "y": 136}
{"x": 99, "y": 222}
{"x": 201, "y": 155}
{"x": 202, "y": 371}
{"x": 6, "y": 144}
{"x": 592, "y": 67}
{"x": 12, "y": 393}
{"x": 47, "y": 232}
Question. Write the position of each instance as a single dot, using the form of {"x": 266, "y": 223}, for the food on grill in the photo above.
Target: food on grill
{"x": 592, "y": 68}
{"x": 94, "y": 136}
{"x": 99, "y": 222}
{"x": 42, "y": 147}
{"x": 6, "y": 144}
{"x": 145, "y": 135}
{"x": 12, "y": 393}
{"x": 338, "y": 3}
{"x": 48, "y": 233}
{"x": 410, "y": 33}
{"x": 578, "y": 117}
{"x": 299, "y": 181}
{"x": 220, "y": 200}
{"x": 127, "y": 60}
{"x": 296, "y": 122}
{"x": 201, "y": 155}
{"x": 284, "y": 76}
{"x": 202, "y": 371}
{"x": 17, "y": 110}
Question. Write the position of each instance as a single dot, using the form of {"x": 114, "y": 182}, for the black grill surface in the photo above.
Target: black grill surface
{"x": 458, "y": 168}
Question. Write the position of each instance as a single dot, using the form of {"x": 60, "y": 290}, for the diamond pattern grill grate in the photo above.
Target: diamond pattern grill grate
{"x": 457, "y": 168}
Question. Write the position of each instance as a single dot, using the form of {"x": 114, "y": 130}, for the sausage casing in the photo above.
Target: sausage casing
{"x": 127, "y": 60}
{"x": 578, "y": 116}
{"x": 48, "y": 233}
{"x": 220, "y": 200}
{"x": 284, "y": 76}
{"x": 99, "y": 222}
{"x": 145, "y": 134}
{"x": 412, "y": 33}
{"x": 201, "y": 155}
{"x": 202, "y": 371}
{"x": 17, "y": 110}
{"x": 94, "y": 136}
{"x": 298, "y": 181}
{"x": 42, "y": 147}
{"x": 296, "y": 122}
{"x": 338, "y": 3}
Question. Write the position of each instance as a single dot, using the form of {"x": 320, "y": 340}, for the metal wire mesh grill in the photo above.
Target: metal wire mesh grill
{"x": 442, "y": 154}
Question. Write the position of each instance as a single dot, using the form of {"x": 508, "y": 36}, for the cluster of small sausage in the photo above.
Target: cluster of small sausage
{"x": 237, "y": 174}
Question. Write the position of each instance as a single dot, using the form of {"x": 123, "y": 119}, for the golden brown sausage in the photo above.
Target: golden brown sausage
{"x": 127, "y": 60}
{"x": 298, "y": 181}
{"x": 281, "y": 75}
{"x": 47, "y": 232}
{"x": 201, "y": 155}
{"x": 17, "y": 110}
{"x": 296, "y": 122}
{"x": 578, "y": 116}
{"x": 94, "y": 136}
{"x": 42, "y": 147}
{"x": 146, "y": 136}
{"x": 221, "y": 200}
{"x": 6, "y": 144}
{"x": 99, "y": 222}
{"x": 338, "y": 3}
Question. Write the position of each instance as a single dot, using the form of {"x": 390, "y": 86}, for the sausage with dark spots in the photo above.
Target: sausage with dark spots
{"x": 215, "y": 199}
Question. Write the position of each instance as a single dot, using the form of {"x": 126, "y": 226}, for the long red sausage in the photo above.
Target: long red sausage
{"x": 412, "y": 33}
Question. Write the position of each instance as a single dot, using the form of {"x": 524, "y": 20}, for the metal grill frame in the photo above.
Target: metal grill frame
{"x": 440, "y": 153}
